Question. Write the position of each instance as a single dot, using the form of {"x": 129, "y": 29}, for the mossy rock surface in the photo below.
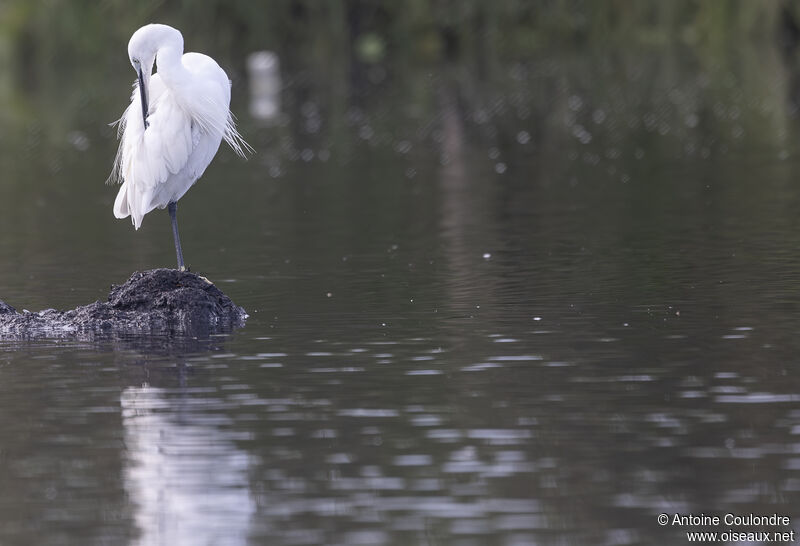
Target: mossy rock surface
{"x": 155, "y": 301}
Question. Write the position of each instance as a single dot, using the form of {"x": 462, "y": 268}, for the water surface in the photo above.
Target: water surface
{"x": 538, "y": 306}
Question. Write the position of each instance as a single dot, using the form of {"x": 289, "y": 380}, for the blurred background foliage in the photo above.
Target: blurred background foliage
{"x": 72, "y": 49}
{"x": 39, "y": 34}
{"x": 84, "y": 25}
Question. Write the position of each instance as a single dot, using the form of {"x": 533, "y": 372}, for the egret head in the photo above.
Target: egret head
{"x": 142, "y": 50}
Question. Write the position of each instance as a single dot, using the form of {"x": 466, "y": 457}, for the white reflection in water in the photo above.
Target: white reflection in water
{"x": 187, "y": 479}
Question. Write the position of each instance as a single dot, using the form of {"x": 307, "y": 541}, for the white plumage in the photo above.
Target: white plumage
{"x": 169, "y": 138}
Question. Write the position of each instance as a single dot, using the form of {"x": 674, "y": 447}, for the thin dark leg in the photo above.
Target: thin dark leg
{"x": 173, "y": 210}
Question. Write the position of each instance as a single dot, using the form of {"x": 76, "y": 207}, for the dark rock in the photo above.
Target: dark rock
{"x": 156, "y": 301}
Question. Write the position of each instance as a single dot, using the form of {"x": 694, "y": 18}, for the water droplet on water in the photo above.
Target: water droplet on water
{"x": 598, "y": 116}
{"x": 79, "y": 140}
{"x": 403, "y": 147}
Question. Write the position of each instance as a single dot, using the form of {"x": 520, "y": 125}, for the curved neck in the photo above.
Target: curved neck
{"x": 170, "y": 67}
{"x": 168, "y": 57}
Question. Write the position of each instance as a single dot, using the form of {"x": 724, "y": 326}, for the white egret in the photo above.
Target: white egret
{"x": 173, "y": 127}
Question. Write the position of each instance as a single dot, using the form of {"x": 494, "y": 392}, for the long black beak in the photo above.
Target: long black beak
{"x": 143, "y": 96}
